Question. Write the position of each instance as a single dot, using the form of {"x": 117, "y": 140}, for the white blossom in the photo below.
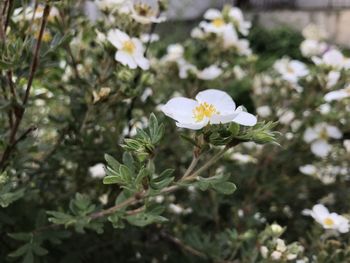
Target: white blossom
{"x": 210, "y": 107}
{"x": 328, "y": 220}
{"x": 209, "y": 73}
{"x": 130, "y": 49}
{"x": 338, "y": 94}
{"x": 291, "y": 70}
{"x": 97, "y": 171}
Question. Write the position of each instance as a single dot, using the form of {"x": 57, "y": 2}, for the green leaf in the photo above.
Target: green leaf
{"x": 144, "y": 219}
{"x": 112, "y": 180}
{"x": 113, "y": 163}
{"x": 20, "y": 251}
{"x": 21, "y": 236}
{"x": 29, "y": 257}
{"x": 225, "y": 188}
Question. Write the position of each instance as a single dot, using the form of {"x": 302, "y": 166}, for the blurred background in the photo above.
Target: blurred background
{"x": 331, "y": 15}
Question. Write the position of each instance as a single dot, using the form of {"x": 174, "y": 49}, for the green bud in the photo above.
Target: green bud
{"x": 234, "y": 128}
{"x": 125, "y": 75}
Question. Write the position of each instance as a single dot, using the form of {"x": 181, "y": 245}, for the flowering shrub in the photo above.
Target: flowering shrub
{"x": 117, "y": 147}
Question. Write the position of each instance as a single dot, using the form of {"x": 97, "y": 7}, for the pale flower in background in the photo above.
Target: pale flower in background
{"x": 149, "y": 38}
{"x": 318, "y": 137}
{"x": 146, "y": 11}
{"x": 308, "y": 169}
{"x": 310, "y": 47}
{"x": 291, "y": 70}
{"x": 264, "y": 111}
{"x": 209, "y": 73}
{"x": 238, "y": 19}
{"x": 185, "y": 68}
{"x": 332, "y": 58}
{"x": 130, "y": 49}
{"x": 242, "y": 158}
{"x": 113, "y": 5}
{"x": 328, "y": 220}
{"x": 338, "y": 94}
{"x": 97, "y": 171}
{"x": 28, "y": 12}
{"x": 175, "y": 52}
{"x": 210, "y": 107}
{"x": 346, "y": 144}
{"x": 216, "y": 24}
{"x": 332, "y": 78}
{"x": 197, "y": 33}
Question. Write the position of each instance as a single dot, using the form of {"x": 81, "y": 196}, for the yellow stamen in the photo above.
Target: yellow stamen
{"x": 323, "y": 134}
{"x": 129, "y": 47}
{"x": 204, "y": 110}
{"x": 143, "y": 9}
{"x": 218, "y": 22}
{"x": 328, "y": 221}
{"x": 290, "y": 69}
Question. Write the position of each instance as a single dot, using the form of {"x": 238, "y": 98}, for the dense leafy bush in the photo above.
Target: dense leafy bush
{"x": 116, "y": 146}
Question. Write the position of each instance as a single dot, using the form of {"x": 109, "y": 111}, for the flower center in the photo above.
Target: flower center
{"x": 218, "y": 22}
{"x": 290, "y": 70}
{"x": 204, "y": 110}
{"x": 143, "y": 9}
{"x": 323, "y": 134}
{"x": 328, "y": 221}
{"x": 129, "y": 46}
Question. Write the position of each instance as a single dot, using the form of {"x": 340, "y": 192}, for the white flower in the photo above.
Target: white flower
{"x": 325, "y": 108}
{"x": 319, "y": 135}
{"x": 97, "y": 171}
{"x": 338, "y": 94}
{"x": 332, "y": 58}
{"x": 286, "y": 117}
{"x": 328, "y": 220}
{"x": 243, "y": 158}
{"x": 264, "y": 111}
{"x": 176, "y": 209}
{"x": 310, "y": 47}
{"x": 145, "y": 38}
{"x": 185, "y": 68}
{"x": 264, "y": 251}
{"x": 276, "y": 255}
{"x": 148, "y": 92}
{"x": 197, "y": 33}
{"x": 292, "y": 256}
{"x": 130, "y": 50}
{"x": 281, "y": 245}
{"x": 119, "y": 5}
{"x": 175, "y": 52}
{"x": 346, "y": 144}
{"x": 332, "y": 78}
{"x": 237, "y": 16}
{"x": 216, "y": 24}
{"x": 276, "y": 229}
{"x": 308, "y": 169}
{"x": 239, "y": 72}
{"x": 209, "y": 73}
{"x": 291, "y": 70}
{"x": 146, "y": 11}
{"x": 210, "y": 107}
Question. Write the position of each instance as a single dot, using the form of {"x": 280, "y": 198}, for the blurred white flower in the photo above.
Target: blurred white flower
{"x": 291, "y": 70}
{"x": 277, "y": 229}
{"x": 325, "y": 108}
{"x": 242, "y": 158}
{"x": 216, "y": 24}
{"x": 176, "y": 209}
{"x": 308, "y": 169}
{"x": 238, "y": 19}
{"x": 286, "y": 117}
{"x": 210, "y": 107}
{"x": 239, "y": 72}
{"x": 130, "y": 49}
{"x": 328, "y": 220}
{"x": 346, "y": 144}
{"x": 276, "y": 255}
{"x": 197, "y": 33}
{"x": 185, "y": 68}
{"x": 113, "y": 5}
{"x": 319, "y": 135}
{"x": 175, "y": 52}
{"x": 264, "y": 251}
{"x": 310, "y": 47}
{"x": 148, "y": 92}
{"x": 28, "y": 13}
{"x": 264, "y": 111}
{"x": 332, "y": 58}
{"x": 332, "y": 78}
{"x": 338, "y": 94}
{"x": 97, "y": 171}
{"x": 146, "y": 11}
{"x": 149, "y": 38}
{"x": 209, "y": 73}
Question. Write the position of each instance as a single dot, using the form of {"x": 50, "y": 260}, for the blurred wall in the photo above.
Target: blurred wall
{"x": 335, "y": 22}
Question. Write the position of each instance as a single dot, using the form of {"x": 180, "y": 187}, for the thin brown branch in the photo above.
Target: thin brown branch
{"x": 20, "y": 111}
{"x": 183, "y": 246}
{"x": 9, "y": 9}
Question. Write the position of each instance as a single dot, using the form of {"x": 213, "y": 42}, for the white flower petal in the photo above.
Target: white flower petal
{"x": 180, "y": 109}
{"x": 320, "y": 148}
{"x": 142, "y": 62}
{"x": 192, "y": 126}
{"x": 244, "y": 118}
{"x": 125, "y": 59}
{"x": 117, "y": 37}
{"x": 212, "y": 14}
{"x": 336, "y": 95}
{"x": 310, "y": 135}
{"x": 334, "y": 132}
{"x": 219, "y": 99}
